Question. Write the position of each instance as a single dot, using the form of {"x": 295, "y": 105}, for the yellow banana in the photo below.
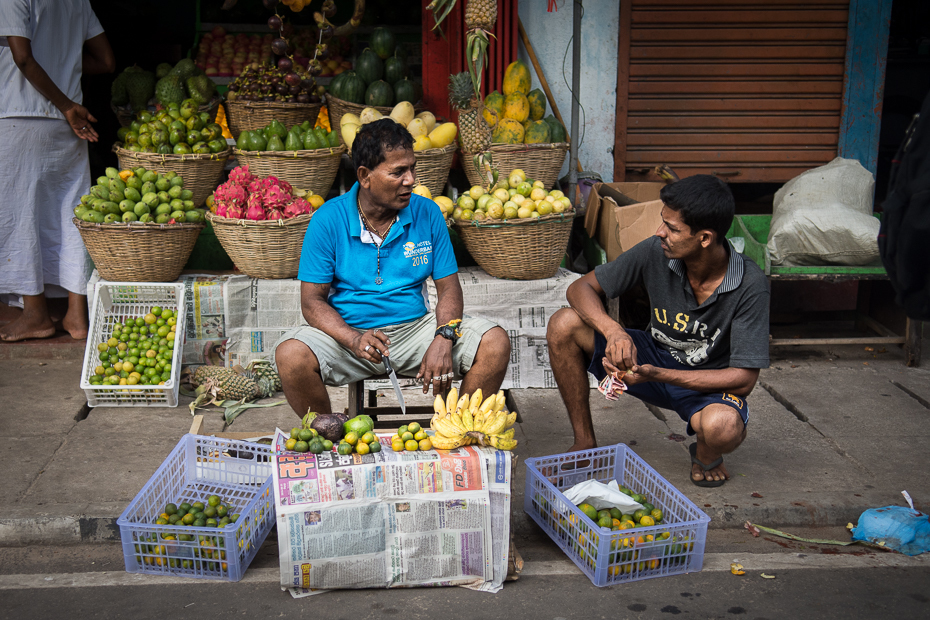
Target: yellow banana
{"x": 439, "y": 405}
{"x": 445, "y": 427}
{"x": 447, "y": 443}
{"x": 432, "y": 421}
{"x": 451, "y": 399}
{"x": 468, "y": 421}
{"x": 503, "y": 444}
{"x": 511, "y": 419}
{"x": 478, "y": 420}
{"x": 508, "y": 434}
{"x": 462, "y": 404}
{"x": 501, "y": 401}
{"x": 457, "y": 420}
{"x": 496, "y": 423}
{"x": 488, "y": 404}
{"x": 475, "y": 400}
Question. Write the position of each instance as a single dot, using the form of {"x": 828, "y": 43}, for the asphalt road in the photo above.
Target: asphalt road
{"x": 808, "y": 581}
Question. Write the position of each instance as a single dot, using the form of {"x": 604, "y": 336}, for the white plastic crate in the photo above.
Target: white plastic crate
{"x": 114, "y": 302}
{"x": 198, "y": 467}
{"x": 608, "y": 556}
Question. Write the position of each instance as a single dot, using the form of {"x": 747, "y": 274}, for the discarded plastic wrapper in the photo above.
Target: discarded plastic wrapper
{"x": 895, "y": 527}
{"x": 601, "y": 496}
{"x": 611, "y": 387}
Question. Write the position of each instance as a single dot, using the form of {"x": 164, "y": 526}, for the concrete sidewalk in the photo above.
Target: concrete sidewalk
{"x": 832, "y": 433}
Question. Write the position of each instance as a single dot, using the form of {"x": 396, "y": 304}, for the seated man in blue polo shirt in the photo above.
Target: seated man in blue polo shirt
{"x": 363, "y": 270}
{"x": 708, "y": 329}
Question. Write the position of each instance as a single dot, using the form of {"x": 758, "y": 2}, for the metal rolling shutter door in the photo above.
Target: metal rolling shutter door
{"x": 749, "y": 90}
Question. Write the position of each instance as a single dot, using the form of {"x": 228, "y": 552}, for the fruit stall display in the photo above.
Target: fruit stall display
{"x": 261, "y": 222}
{"x": 136, "y": 89}
{"x": 433, "y": 144}
{"x": 303, "y": 155}
{"x": 139, "y": 225}
{"x": 512, "y": 126}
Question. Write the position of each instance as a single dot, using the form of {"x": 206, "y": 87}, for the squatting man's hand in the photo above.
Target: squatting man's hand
{"x": 636, "y": 374}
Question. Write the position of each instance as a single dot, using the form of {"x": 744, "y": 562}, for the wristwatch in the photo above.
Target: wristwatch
{"x": 447, "y": 332}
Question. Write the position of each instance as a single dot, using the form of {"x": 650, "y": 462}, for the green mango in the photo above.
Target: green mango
{"x": 174, "y": 191}
{"x": 141, "y": 209}
{"x": 160, "y": 126}
{"x": 163, "y": 197}
{"x": 111, "y": 207}
{"x": 103, "y": 180}
{"x": 175, "y": 114}
{"x": 176, "y": 181}
{"x": 194, "y": 123}
{"x": 79, "y": 211}
{"x": 132, "y": 194}
{"x": 176, "y": 137}
{"x": 163, "y": 209}
{"x": 145, "y": 116}
{"x": 94, "y": 217}
{"x": 134, "y": 148}
{"x": 275, "y": 144}
{"x": 186, "y": 194}
{"x": 145, "y": 140}
{"x": 178, "y": 125}
{"x": 170, "y": 175}
{"x": 117, "y": 185}
{"x": 193, "y": 137}
{"x": 134, "y": 182}
{"x": 115, "y": 196}
{"x": 112, "y": 173}
{"x": 109, "y": 218}
{"x": 201, "y": 148}
{"x": 145, "y": 128}
{"x": 188, "y": 109}
{"x": 163, "y": 149}
{"x": 151, "y": 199}
{"x": 139, "y": 172}
{"x": 147, "y": 188}
{"x": 217, "y": 146}
{"x": 101, "y": 191}
{"x": 243, "y": 142}
{"x": 177, "y": 204}
{"x": 86, "y": 199}
{"x": 193, "y": 216}
{"x": 257, "y": 142}
{"x": 162, "y": 218}
{"x": 146, "y": 218}
{"x": 127, "y": 205}
{"x": 293, "y": 142}
{"x": 178, "y": 216}
{"x": 162, "y": 184}
{"x": 188, "y": 205}
{"x": 135, "y": 126}
{"x": 150, "y": 175}
{"x": 129, "y": 216}
{"x": 311, "y": 141}
{"x": 121, "y": 133}
{"x": 205, "y": 118}
{"x": 132, "y": 137}
{"x": 182, "y": 149}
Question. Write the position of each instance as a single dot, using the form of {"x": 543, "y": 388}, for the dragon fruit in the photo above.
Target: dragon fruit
{"x": 298, "y": 207}
{"x": 275, "y": 198}
{"x": 255, "y": 212}
{"x": 258, "y": 186}
{"x": 235, "y": 213}
{"x": 221, "y": 210}
{"x": 241, "y": 176}
{"x": 288, "y": 189}
{"x": 275, "y": 214}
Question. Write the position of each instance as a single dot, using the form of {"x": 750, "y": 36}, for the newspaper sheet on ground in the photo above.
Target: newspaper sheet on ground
{"x": 392, "y": 519}
{"x": 260, "y": 311}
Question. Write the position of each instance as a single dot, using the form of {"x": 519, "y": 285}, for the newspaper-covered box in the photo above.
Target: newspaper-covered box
{"x": 607, "y": 556}
{"x": 392, "y": 519}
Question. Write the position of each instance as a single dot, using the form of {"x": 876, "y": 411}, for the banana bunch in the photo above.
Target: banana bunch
{"x": 462, "y": 421}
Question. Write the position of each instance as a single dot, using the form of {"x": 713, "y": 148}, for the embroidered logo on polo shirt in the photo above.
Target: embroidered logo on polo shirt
{"x": 418, "y": 252}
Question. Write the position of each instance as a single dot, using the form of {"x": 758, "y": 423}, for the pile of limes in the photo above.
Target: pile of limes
{"x": 410, "y": 438}
{"x": 360, "y": 444}
{"x": 138, "y": 350}
{"x": 307, "y": 440}
{"x": 212, "y": 513}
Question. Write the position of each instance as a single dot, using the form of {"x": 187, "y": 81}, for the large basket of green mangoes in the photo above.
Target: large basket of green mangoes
{"x": 201, "y": 171}
{"x": 305, "y": 156}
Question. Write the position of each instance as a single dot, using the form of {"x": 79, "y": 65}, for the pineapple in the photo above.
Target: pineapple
{"x": 473, "y": 130}
{"x": 481, "y": 14}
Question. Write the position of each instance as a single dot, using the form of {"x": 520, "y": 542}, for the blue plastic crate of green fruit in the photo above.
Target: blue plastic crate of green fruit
{"x": 215, "y": 473}
{"x": 673, "y": 545}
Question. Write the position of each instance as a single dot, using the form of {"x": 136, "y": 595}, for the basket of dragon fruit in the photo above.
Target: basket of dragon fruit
{"x": 261, "y": 222}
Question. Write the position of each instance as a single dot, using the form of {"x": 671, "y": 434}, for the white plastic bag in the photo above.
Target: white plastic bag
{"x": 602, "y": 496}
{"x": 824, "y": 217}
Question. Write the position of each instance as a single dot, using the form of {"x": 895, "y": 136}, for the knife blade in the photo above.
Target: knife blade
{"x": 393, "y": 377}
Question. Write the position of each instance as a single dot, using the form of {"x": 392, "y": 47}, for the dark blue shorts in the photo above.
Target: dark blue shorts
{"x": 681, "y": 400}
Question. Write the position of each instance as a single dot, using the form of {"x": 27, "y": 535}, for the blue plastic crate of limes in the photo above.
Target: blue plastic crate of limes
{"x": 668, "y": 542}
{"x": 207, "y": 475}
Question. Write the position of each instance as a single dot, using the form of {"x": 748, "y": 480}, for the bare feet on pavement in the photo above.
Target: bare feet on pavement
{"x": 705, "y": 455}
{"x": 26, "y": 327}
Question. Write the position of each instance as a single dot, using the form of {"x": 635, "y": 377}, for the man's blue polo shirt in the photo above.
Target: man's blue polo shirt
{"x": 416, "y": 248}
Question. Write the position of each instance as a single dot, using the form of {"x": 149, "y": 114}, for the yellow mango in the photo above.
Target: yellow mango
{"x": 422, "y": 143}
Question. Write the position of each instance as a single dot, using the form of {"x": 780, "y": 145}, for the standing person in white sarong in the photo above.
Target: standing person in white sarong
{"x": 45, "y": 46}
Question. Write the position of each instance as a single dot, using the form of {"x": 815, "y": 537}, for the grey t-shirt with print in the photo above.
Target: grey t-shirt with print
{"x": 731, "y": 327}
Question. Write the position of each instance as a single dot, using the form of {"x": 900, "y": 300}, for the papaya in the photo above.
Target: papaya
{"x": 556, "y": 129}
{"x": 495, "y": 101}
{"x": 537, "y": 101}
{"x": 508, "y": 131}
{"x": 537, "y": 133}
{"x": 516, "y": 107}
{"x": 516, "y": 79}
{"x": 490, "y": 117}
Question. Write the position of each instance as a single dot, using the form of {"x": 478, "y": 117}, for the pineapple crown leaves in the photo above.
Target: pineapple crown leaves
{"x": 461, "y": 90}
{"x": 484, "y": 164}
{"x": 440, "y": 10}
{"x": 476, "y": 56}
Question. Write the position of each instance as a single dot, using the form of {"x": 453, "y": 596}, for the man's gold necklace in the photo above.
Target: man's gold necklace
{"x": 371, "y": 228}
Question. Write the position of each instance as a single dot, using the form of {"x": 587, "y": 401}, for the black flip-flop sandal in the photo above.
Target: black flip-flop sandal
{"x": 706, "y": 467}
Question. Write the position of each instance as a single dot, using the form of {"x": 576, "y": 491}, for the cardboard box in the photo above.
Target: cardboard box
{"x": 620, "y": 215}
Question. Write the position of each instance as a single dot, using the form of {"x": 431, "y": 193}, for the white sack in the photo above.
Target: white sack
{"x": 824, "y": 217}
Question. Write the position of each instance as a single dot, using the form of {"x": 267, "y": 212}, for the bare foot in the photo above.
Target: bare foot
{"x": 24, "y": 329}
{"x": 587, "y": 445}
{"x": 75, "y": 321}
{"x": 707, "y": 457}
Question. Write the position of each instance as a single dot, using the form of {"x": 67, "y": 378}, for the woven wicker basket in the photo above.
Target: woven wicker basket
{"x": 251, "y": 115}
{"x": 525, "y": 249}
{"x": 313, "y": 170}
{"x": 540, "y": 162}
{"x": 125, "y": 115}
{"x": 433, "y": 167}
{"x": 201, "y": 173}
{"x": 339, "y": 107}
{"x": 139, "y": 252}
{"x": 263, "y": 249}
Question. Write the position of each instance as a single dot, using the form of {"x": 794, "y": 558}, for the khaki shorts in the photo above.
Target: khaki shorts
{"x": 409, "y": 342}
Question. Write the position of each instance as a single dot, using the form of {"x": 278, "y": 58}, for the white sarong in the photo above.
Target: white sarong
{"x": 44, "y": 170}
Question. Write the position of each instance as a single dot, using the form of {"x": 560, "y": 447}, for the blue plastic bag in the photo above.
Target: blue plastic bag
{"x": 902, "y": 529}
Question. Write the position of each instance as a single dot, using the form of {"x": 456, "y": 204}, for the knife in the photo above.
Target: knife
{"x": 393, "y": 377}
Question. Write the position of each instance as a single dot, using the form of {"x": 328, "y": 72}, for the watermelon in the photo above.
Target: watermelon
{"x": 407, "y": 90}
{"x": 395, "y": 69}
{"x": 383, "y": 43}
{"x": 352, "y": 88}
{"x": 369, "y": 66}
{"x": 379, "y": 94}
{"x": 556, "y": 130}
